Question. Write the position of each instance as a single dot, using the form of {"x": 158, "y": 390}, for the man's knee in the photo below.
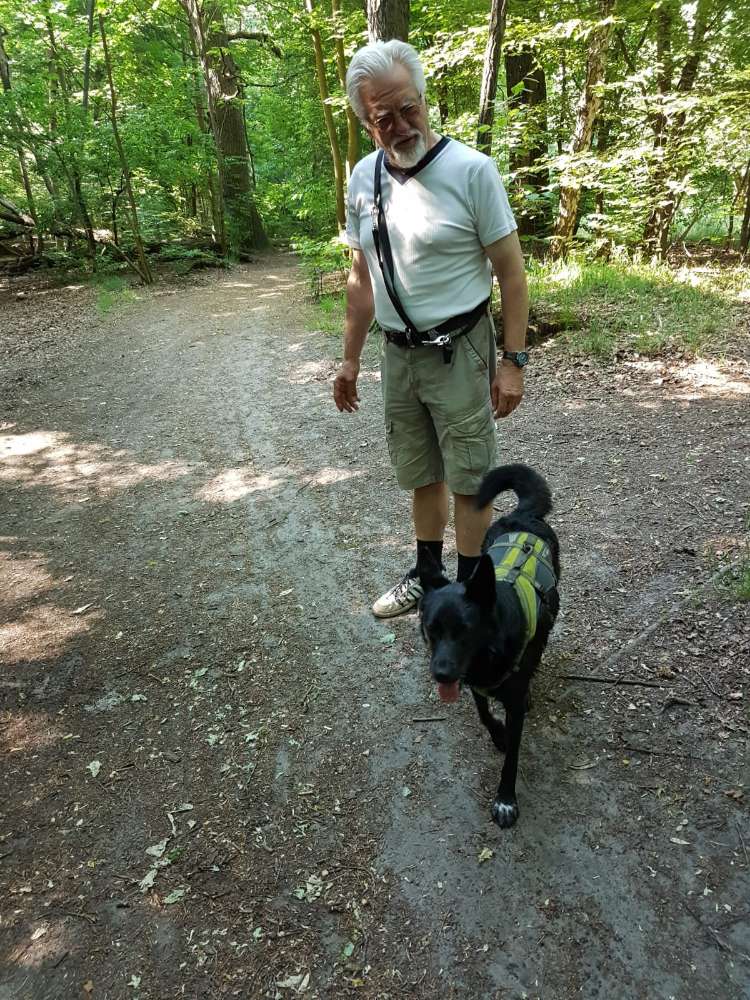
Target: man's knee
{"x": 437, "y": 489}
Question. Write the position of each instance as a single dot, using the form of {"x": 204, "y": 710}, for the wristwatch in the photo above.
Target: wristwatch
{"x": 519, "y": 358}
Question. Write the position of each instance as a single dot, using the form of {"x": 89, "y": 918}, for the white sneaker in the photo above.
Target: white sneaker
{"x": 399, "y": 599}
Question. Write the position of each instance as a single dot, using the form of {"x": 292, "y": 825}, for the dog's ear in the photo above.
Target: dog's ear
{"x": 480, "y": 587}
{"x": 431, "y": 574}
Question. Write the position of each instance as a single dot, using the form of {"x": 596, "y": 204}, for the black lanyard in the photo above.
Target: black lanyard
{"x": 383, "y": 247}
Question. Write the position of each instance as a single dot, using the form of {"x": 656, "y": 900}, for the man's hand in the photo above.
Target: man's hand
{"x": 507, "y": 389}
{"x": 345, "y": 387}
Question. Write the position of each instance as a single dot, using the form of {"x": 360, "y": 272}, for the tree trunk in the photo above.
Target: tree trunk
{"x": 320, "y": 70}
{"x": 388, "y": 19}
{"x": 442, "y": 99}
{"x": 745, "y": 231}
{"x": 74, "y": 174}
{"x": 352, "y": 125}
{"x": 90, "y": 4}
{"x": 588, "y": 109}
{"x": 529, "y": 144}
{"x": 741, "y": 182}
{"x": 5, "y": 81}
{"x": 668, "y": 138}
{"x": 603, "y": 140}
{"x": 214, "y": 190}
{"x": 143, "y": 269}
{"x": 114, "y": 197}
{"x": 4, "y": 63}
{"x": 246, "y": 232}
{"x": 489, "y": 76}
{"x": 243, "y": 231}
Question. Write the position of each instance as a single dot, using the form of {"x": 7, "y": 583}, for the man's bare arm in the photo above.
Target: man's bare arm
{"x": 360, "y": 310}
{"x": 507, "y": 262}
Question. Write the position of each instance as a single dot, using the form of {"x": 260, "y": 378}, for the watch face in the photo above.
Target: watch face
{"x": 522, "y": 358}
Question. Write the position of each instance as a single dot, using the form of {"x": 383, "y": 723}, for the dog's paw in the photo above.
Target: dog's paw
{"x": 504, "y": 813}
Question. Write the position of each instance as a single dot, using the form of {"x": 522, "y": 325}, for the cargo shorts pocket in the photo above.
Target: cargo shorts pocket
{"x": 469, "y": 448}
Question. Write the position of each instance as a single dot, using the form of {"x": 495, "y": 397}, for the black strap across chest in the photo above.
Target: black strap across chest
{"x": 383, "y": 246}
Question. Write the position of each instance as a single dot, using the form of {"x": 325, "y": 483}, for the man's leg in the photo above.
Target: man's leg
{"x": 430, "y": 513}
{"x": 430, "y": 510}
{"x": 461, "y": 409}
{"x": 415, "y": 455}
{"x": 471, "y": 527}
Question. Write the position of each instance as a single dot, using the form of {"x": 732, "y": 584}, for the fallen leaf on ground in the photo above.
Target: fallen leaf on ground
{"x": 297, "y": 983}
{"x": 676, "y": 840}
{"x": 312, "y": 889}
{"x": 485, "y": 854}
{"x": 94, "y": 767}
{"x": 83, "y": 607}
{"x": 148, "y": 880}
{"x": 734, "y": 793}
{"x": 174, "y": 897}
{"x": 156, "y": 850}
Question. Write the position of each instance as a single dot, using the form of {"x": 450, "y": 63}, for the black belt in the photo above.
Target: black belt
{"x": 441, "y": 335}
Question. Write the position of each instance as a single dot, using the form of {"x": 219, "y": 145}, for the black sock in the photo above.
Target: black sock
{"x": 466, "y": 566}
{"x": 435, "y": 549}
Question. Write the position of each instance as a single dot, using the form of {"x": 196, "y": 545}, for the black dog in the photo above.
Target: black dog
{"x": 490, "y": 632}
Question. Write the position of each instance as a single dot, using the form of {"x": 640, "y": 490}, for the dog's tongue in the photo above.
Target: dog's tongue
{"x": 449, "y": 693}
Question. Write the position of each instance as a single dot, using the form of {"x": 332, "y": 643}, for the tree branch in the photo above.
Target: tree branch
{"x": 9, "y": 213}
{"x": 255, "y": 36}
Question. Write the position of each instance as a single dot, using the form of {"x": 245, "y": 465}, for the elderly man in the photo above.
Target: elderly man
{"x": 428, "y": 219}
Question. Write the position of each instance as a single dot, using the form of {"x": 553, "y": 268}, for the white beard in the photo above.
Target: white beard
{"x": 406, "y": 160}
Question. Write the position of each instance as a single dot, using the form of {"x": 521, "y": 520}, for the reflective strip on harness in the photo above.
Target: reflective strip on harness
{"x": 527, "y": 565}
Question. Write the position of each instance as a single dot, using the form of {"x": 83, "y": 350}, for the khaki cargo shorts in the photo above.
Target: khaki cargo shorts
{"x": 438, "y": 417}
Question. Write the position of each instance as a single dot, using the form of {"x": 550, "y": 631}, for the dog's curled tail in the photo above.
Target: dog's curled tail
{"x": 533, "y": 494}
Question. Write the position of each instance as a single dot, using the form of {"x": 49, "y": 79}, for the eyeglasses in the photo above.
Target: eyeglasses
{"x": 386, "y": 123}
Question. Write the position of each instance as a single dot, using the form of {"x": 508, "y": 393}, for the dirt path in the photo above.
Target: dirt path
{"x": 191, "y": 539}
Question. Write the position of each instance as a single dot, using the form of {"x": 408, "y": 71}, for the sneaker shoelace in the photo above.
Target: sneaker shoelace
{"x": 401, "y": 592}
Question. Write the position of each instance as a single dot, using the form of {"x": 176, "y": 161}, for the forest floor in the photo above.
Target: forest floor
{"x": 225, "y": 778}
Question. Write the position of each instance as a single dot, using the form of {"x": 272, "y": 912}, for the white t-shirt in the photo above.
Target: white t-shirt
{"x": 439, "y": 219}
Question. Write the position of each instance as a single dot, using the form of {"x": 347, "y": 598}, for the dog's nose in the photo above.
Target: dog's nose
{"x": 444, "y": 673}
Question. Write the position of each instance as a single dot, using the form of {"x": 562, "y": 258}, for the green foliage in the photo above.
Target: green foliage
{"x": 741, "y": 583}
{"x": 325, "y": 263}
{"x": 640, "y": 307}
{"x": 699, "y": 160}
{"x": 735, "y": 581}
{"x": 112, "y": 291}
{"x": 327, "y": 315}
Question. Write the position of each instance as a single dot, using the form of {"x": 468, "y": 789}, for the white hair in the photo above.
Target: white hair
{"x": 378, "y": 59}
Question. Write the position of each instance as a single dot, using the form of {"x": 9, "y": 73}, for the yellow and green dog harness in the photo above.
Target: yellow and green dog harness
{"x": 523, "y": 560}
